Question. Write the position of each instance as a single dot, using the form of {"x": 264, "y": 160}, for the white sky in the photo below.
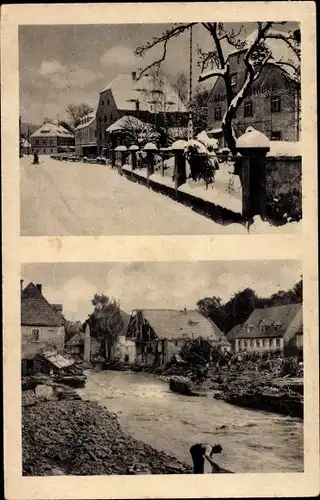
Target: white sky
{"x": 65, "y": 64}
{"x": 156, "y": 284}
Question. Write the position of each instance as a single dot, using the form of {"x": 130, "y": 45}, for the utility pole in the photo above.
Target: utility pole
{"x": 190, "y": 123}
{"x": 28, "y": 139}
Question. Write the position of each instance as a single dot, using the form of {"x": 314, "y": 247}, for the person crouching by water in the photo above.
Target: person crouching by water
{"x": 202, "y": 452}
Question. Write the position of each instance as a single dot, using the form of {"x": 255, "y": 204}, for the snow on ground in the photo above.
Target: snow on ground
{"x": 60, "y": 198}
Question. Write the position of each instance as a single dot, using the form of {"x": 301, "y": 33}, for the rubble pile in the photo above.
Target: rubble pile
{"x": 82, "y": 438}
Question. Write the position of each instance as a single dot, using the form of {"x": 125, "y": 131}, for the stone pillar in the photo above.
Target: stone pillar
{"x": 134, "y": 160}
{"x": 150, "y": 163}
{"x": 253, "y": 147}
{"x": 180, "y": 174}
{"x": 87, "y": 345}
{"x": 113, "y": 157}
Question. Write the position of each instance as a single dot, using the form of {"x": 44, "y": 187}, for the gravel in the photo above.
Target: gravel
{"x": 82, "y": 438}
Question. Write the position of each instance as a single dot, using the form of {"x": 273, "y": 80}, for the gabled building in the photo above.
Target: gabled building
{"x": 159, "y": 334}
{"x": 273, "y": 106}
{"x": 51, "y": 138}
{"x": 86, "y": 136}
{"x": 231, "y": 335}
{"x": 278, "y": 328}
{"x": 149, "y": 99}
{"x": 41, "y": 325}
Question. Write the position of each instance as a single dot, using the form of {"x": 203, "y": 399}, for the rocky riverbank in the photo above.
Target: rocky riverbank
{"x": 67, "y": 436}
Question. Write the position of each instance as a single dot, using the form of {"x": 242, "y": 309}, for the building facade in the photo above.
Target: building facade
{"x": 51, "y": 139}
{"x": 149, "y": 99}
{"x": 277, "y": 328}
{"x": 86, "y": 136}
{"x": 159, "y": 334}
{"x": 41, "y": 325}
{"x": 272, "y": 107}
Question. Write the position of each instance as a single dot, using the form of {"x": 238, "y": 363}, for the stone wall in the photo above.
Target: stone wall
{"x": 283, "y": 186}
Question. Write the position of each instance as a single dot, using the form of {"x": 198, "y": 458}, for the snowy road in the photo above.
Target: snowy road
{"x": 62, "y": 198}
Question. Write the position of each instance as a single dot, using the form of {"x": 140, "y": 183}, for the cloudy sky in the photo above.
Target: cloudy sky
{"x": 156, "y": 284}
{"x": 65, "y": 64}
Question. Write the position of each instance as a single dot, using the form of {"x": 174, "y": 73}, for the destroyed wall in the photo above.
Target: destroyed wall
{"x": 48, "y": 336}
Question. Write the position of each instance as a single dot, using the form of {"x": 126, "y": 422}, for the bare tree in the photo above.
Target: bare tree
{"x": 134, "y": 131}
{"x": 181, "y": 87}
{"x": 78, "y": 111}
{"x": 257, "y": 55}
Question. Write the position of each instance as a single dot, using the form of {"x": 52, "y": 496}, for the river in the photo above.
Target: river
{"x": 252, "y": 441}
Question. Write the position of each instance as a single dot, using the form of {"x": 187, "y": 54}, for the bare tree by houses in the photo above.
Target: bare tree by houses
{"x": 78, "y": 111}
{"x": 214, "y": 63}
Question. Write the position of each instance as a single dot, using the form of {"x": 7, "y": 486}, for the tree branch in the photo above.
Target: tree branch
{"x": 213, "y": 72}
{"x": 164, "y": 38}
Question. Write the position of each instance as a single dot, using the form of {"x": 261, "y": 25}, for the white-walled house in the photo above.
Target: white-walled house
{"x": 270, "y": 329}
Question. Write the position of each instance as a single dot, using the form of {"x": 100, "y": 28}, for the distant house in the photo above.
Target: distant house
{"x": 159, "y": 334}
{"x": 51, "y": 138}
{"x": 146, "y": 99}
{"x": 41, "y": 325}
{"x": 278, "y": 328}
{"x": 86, "y": 135}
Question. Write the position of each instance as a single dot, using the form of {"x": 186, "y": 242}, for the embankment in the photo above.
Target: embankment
{"x": 75, "y": 437}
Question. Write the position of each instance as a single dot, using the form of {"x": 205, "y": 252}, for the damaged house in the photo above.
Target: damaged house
{"x": 42, "y": 327}
{"x": 159, "y": 334}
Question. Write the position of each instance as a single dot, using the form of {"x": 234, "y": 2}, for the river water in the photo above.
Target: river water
{"x": 252, "y": 441}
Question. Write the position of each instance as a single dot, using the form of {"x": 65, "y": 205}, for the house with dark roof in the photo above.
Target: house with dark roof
{"x": 41, "y": 325}
{"x": 146, "y": 99}
{"x": 232, "y": 334}
{"x": 273, "y": 103}
{"x": 278, "y": 328}
{"x": 159, "y": 334}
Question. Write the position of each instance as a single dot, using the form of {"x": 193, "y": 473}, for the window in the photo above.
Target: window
{"x": 105, "y": 118}
{"x": 258, "y": 343}
{"x": 278, "y": 342}
{"x": 270, "y": 342}
{"x": 111, "y": 117}
{"x": 217, "y": 113}
{"x": 264, "y": 342}
{"x": 95, "y": 133}
{"x": 245, "y": 343}
{"x": 251, "y": 343}
{"x": 99, "y": 119}
{"x": 44, "y": 150}
{"x": 175, "y": 342}
{"x": 262, "y": 328}
{"x": 234, "y": 79}
{"x": 276, "y": 136}
{"x": 247, "y": 111}
{"x": 51, "y": 150}
{"x": 105, "y": 134}
{"x": 275, "y": 104}
{"x": 102, "y": 103}
{"x": 108, "y": 102}
{"x": 35, "y": 334}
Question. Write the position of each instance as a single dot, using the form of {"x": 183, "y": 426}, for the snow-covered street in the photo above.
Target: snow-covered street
{"x": 61, "y": 198}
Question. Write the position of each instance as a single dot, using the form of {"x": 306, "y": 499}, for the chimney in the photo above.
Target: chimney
{"x": 57, "y": 308}
{"x": 39, "y": 287}
{"x": 21, "y": 286}
{"x": 134, "y": 75}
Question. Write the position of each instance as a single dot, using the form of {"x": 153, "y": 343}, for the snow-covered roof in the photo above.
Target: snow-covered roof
{"x": 284, "y": 148}
{"x": 87, "y": 120}
{"x": 51, "y": 130}
{"x": 150, "y": 146}
{"x": 126, "y": 92}
{"x": 123, "y": 122}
